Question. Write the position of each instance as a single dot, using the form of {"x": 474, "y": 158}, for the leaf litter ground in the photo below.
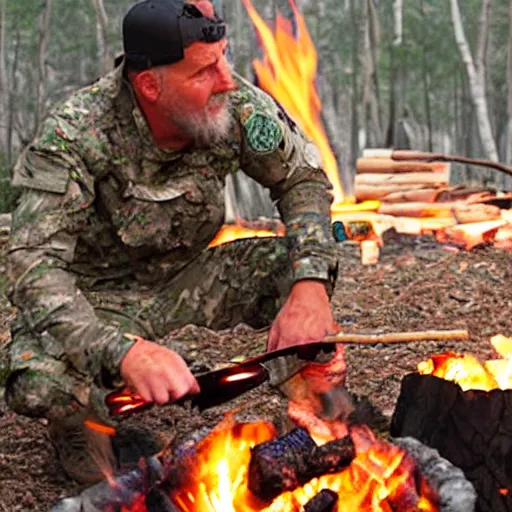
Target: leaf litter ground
{"x": 417, "y": 285}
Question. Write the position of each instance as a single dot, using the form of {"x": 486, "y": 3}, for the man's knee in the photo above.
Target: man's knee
{"x": 35, "y": 394}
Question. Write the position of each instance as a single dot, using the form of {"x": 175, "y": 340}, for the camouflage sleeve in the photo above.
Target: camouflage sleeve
{"x": 55, "y": 206}
{"x": 277, "y": 154}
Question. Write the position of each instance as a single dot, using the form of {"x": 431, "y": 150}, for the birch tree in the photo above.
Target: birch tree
{"x": 475, "y": 69}
{"x": 398, "y": 6}
{"x": 508, "y": 147}
{"x": 4, "y": 91}
{"x": 105, "y": 57}
{"x": 371, "y": 106}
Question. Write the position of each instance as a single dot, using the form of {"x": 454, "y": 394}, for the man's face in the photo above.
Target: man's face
{"x": 195, "y": 94}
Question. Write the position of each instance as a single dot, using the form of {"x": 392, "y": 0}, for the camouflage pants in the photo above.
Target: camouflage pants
{"x": 244, "y": 281}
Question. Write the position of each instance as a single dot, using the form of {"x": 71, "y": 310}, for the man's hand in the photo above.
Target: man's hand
{"x": 305, "y": 317}
{"x": 156, "y": 373}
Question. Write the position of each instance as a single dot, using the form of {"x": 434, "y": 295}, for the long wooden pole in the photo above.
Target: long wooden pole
{"x": 406, "y": 155}
{"x": 397, "y": 337}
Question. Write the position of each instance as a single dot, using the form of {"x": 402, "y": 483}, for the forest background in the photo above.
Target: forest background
{"x": 432, "y": 75}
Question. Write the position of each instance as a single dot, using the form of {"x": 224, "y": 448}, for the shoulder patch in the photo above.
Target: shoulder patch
{"x": 263, "y": 133}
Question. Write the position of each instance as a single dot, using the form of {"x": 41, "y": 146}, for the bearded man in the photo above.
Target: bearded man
{"x": 123, "y": 190}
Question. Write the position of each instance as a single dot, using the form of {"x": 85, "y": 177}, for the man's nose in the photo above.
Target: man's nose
{"x": 224, "y": 82}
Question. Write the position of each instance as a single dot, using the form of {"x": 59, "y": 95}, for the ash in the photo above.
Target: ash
{"x": 456, "y": 493}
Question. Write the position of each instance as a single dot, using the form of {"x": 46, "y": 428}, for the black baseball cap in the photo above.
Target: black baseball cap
{"x": 156, "y": 32}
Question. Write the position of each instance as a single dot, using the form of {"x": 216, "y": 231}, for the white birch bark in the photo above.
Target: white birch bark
{"x": 398, "y": 6}
{"x": 105, "y": 57}
{"x": 508, "y": 147}
{"x": 475, "y": 69}
{"x": 4, "y": 91}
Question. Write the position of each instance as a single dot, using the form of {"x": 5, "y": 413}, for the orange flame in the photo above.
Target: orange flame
{"x": 468, "y": 372}
{"x": 380, "y": 474}
{"x": 287, "y": 72}
{"x": 230, "y": 232}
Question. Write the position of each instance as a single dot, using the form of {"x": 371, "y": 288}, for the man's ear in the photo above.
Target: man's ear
{"x": 148, "y": 85}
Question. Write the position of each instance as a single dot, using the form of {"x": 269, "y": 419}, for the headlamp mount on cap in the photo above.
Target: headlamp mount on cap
{"x": 156, "y": 32}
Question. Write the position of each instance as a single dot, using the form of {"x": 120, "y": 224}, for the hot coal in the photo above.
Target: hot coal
{"x": 324, "y": 501}
{"x": 288, "y": 462}
{"x": 472, "y": 429}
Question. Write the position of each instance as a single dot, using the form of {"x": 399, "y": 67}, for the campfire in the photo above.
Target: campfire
{"x": 462, "y": 407}
{"x": 247, "y": 467}
{"x": 326, "y": 462}
{"x": 469, "y": 373}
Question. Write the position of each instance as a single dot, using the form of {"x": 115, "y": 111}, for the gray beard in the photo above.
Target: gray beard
{"x": 203, "y": 128}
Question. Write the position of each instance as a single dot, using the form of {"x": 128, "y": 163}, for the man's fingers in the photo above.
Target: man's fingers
{"x": 273, "y": 338}
{"x": 143, "y": 390}
{"x": 194, "y": 387}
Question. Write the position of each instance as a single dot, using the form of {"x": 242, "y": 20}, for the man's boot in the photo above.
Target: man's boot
{"x": 79, "y": 449}
{"x": 88, "y": 455}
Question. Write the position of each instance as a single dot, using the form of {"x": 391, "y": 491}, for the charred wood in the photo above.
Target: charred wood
{"x": 472, "y": 429}
{"x": 290, "y": 461}
{"x": 324, "y": 501}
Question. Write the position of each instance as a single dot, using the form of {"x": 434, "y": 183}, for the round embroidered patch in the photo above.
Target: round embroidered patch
{"x": 263, "y": 133}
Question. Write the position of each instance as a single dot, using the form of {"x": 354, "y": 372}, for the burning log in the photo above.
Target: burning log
{"x": 463, "y": 408}
{"x": 288, "y": 462}
{"x": 470, "y": 235}
{"x": 472, "y": 429}
{"x": 324, "y": 501}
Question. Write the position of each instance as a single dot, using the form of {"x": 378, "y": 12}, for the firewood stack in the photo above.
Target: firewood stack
{"x": 414, "y": 196}
{"x": 380, "y": 177}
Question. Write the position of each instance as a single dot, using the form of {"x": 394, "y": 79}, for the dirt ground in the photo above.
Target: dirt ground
{"x": 417, "y": 285}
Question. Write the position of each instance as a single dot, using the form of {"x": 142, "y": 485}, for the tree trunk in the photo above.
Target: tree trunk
{"x": 398, "y": 15}
{"x": 44, "y": 39}
{"x": 370, "y": 100}
{"x": 425, "y": 78}
{"x": 101, "y": 36}
{"x": 354, "y": 118}
{"x": 4, "y": 91}
{"x": 475, "y": 69}
{"x": 508, "y": 147}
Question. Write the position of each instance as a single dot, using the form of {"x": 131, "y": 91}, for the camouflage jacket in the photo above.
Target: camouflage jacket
{"x": 101, "y": 201}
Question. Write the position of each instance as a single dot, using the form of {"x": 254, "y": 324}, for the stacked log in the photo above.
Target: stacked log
{"x": 420, "y": 189}
{"x": 380, "y": 177}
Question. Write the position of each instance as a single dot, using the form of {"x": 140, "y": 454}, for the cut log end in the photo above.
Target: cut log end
{"x": 472, "y": 429}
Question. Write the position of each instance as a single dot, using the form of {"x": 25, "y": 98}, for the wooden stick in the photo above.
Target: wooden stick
{"x": 397, "y": 337}
{"x": 371, "y": 192}
{"x": 405, "y": 178}
{"x": 389, "y": 165}
{"x": 424, "y": 195}
{"x": 406, "y": 155}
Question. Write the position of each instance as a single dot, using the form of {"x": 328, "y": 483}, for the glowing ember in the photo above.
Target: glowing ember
{"x": 470, "y": 235}
{"x": 381, "y": 477}
{"x": 469, "y": 373}
{"x": 230, "y": 232}
{"x": 288, "y": 73}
